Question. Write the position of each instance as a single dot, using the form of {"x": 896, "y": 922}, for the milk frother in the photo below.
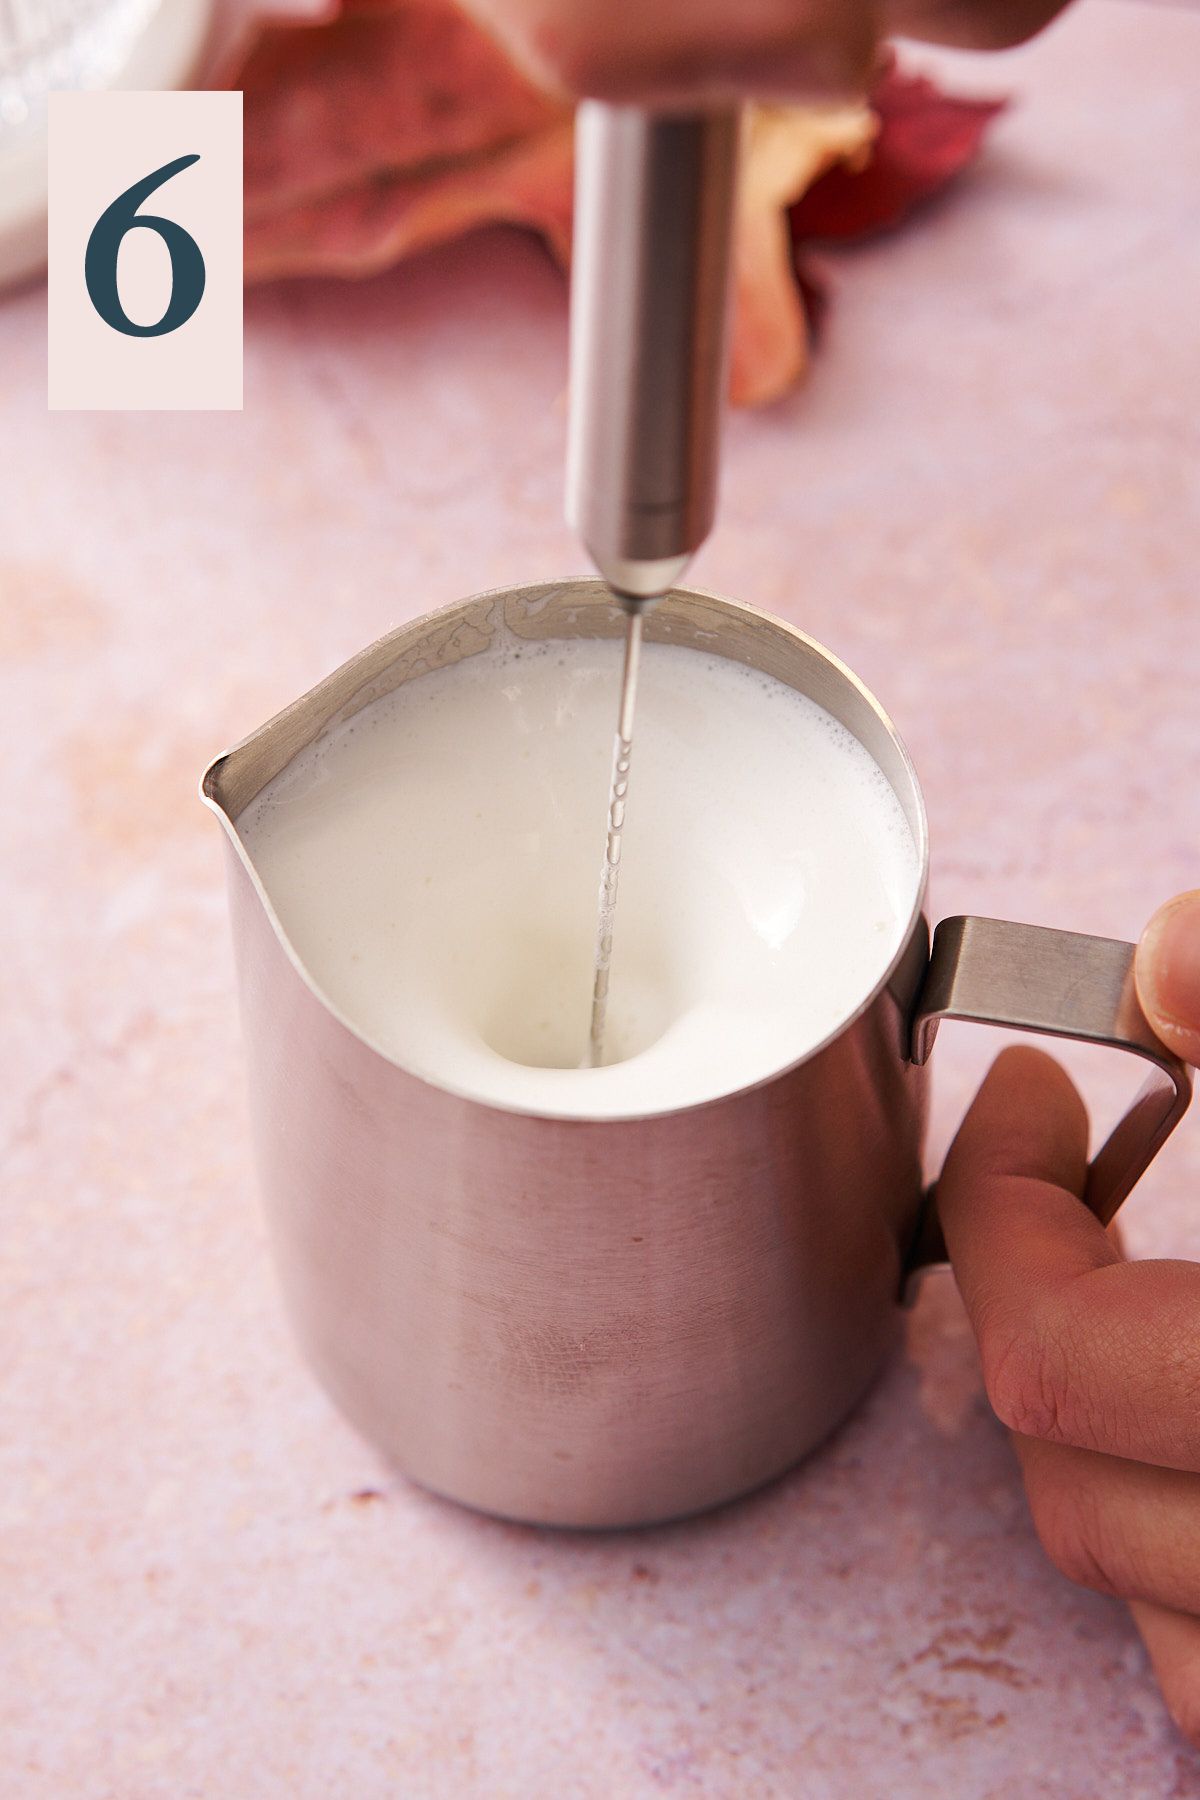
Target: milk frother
{"x": 650, "y": 283}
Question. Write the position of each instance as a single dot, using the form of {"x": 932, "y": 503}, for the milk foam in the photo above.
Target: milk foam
{"x": 434, "y": 864}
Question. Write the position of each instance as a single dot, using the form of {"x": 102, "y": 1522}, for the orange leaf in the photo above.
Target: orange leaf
{"x": 785, "y": 150}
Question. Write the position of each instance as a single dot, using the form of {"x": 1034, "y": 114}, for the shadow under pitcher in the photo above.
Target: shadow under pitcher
{"x": 611, "y": 1322}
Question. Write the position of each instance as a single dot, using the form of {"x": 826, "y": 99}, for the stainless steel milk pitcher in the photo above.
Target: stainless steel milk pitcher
{"x": 610, "y": 1322}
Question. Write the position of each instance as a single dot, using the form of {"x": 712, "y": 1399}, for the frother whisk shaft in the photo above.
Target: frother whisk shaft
{"x": 610, "y": 870}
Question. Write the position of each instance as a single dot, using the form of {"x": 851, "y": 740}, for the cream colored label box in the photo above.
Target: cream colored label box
{"x": 145, "y": 317}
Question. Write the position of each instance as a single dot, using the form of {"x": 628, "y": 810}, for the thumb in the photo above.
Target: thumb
{"x": 1167, "y": 971}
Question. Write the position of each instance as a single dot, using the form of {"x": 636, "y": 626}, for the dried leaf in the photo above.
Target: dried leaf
{"x": 379, "y": 92}
{"x": 786, "y": 150}
{"x": 364, "y": 228}
{"x": 925, "y": 139}
{"x": 376, "y": 128}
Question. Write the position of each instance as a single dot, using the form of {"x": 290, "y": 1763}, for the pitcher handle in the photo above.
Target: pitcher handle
{"x": 1063, "y": 984}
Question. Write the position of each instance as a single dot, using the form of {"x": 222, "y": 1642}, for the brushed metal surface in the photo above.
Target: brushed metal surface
{"x": 579, "y": 1322}
{"x": 650, "y": 292}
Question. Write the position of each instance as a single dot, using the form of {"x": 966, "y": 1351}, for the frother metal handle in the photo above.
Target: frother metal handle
{"x": 1062, "y": 984}
{"x": 650, "y": 286}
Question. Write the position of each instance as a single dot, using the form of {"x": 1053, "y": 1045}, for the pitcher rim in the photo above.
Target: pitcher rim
{"x": 592, "y": 588}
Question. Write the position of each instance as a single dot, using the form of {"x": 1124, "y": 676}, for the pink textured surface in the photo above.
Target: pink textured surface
{"x": 986, "y": 500}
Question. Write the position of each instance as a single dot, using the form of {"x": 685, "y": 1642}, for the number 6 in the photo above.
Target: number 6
{"x": 100, "y": 258}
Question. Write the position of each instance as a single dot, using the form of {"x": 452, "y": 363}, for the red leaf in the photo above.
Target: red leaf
{"x": 925, "y": 138}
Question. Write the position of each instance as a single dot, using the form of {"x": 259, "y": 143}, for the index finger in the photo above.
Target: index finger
{"x": 1077, "y": 1346}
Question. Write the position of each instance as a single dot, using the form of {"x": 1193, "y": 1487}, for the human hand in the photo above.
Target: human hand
{"x": 1092, "y": 1362}
{"x": 689, "y": 51}
{"x": 1168, "y": 974}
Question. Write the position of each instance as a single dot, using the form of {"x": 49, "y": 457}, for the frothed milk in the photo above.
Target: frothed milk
{"x": 433, "y": 863}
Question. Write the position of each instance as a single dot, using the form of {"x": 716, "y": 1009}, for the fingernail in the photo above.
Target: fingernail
{"x": 1168, "y": 973}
